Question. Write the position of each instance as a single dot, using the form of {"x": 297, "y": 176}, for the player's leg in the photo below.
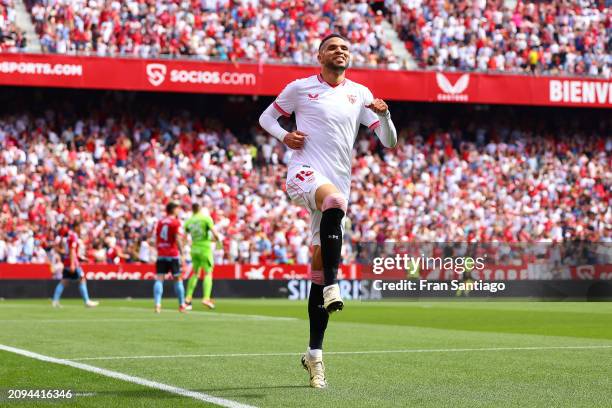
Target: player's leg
{"x": 192, "y": 283}
{"x": 302, "y": 184}
{"x": 179, "y": 289}
{"x": 158, "y": 286}
{"x": 83, "y": 288}
{"x": 318, "y": 317}
{"x": 317, "y": 314}
{"x": 208, "y": 279}
{"x": 59, "y": 289}
{"x": 332, "y": 205}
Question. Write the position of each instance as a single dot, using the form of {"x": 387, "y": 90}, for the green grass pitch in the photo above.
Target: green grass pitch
{"x": 421, "y": 354}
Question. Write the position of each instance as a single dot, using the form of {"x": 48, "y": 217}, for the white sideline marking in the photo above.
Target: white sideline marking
{"x": 124, "y": 377}
{"x": 353, "y": 352}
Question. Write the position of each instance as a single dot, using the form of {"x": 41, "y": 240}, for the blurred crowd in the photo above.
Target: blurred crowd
{"x": 539, "y": 37}
{"x": 11, "y": 37}
{"x": 551, "y": 37}
{"x": 479, "y": 178}
{"x": 285, "y": 31}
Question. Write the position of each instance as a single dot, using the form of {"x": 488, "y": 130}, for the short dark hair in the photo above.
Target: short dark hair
{"x": 171, "y": 206}
{"x": 329, "y": 37}
{"x": 195, "y": 207}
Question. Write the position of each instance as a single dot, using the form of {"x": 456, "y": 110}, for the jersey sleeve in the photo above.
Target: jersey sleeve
{"x": 367, "y": 117}
{"x": 286, "y": 101}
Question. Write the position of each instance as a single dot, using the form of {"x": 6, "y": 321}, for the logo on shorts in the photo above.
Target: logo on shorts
{"x": 313, "y": 97}
{"x": 156, "y": 73}
{"x": 333, "y": 236}
{"x": 352, "y": 98}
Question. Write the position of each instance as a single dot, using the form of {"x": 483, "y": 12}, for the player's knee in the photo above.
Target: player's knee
{"x": 317, "y": 277}
{"x": 334, "y": 200}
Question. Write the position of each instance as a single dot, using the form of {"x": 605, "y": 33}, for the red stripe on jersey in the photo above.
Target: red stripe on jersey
{"x": 280, "y": 110}
{"x": 374, "y": 125}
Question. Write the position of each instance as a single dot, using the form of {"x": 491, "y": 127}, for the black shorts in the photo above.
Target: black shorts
{"x": 163, "y": 266}
{"x": 72, "y": 275}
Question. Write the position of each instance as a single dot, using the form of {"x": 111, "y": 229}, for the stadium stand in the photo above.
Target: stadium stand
{"x": 552, "y": 37}
{"x": 12, "y": 38}
{"x": 286, "y": 31}
{"x": 113, "y": 160}
{"x": 560, "y": 37}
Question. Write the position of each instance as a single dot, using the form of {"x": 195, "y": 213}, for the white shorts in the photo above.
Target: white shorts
{"x": 302, "y": 184}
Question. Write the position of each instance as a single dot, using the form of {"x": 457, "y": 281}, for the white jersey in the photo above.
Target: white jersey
{"x": 330, "y": 116}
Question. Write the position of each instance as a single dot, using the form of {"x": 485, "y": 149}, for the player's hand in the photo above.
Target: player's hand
{"x": 378, "y": 106}
{"x": 295, "y": 140}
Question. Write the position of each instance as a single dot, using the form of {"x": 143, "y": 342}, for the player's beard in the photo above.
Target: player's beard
{"x": 339, "y": 69}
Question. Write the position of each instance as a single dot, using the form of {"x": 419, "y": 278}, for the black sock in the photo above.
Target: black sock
{"x": 331, "y": 243}
{"x": 317, "y": 315}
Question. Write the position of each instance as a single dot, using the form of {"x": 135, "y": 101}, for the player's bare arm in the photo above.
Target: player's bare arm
{"x": 215, "y": 235}
{"x": 73, "y": 259}
{"x": 181, "y": 244}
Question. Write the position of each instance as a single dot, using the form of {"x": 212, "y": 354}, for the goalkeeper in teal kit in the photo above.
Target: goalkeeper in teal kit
{"x": 201, "y": 227}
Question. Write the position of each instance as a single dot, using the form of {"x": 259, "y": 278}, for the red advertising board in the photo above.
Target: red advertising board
{"x": 140, "y": 271}
{"x": 287, "y": 272}
{"x": 253, "y": 79}
{"x": 25, "y": 271}
{"x": 590, "y": 272}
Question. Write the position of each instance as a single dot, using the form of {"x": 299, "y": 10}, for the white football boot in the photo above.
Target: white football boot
{"x": 316, "y": 370}
{"x": 92, "y": 303}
